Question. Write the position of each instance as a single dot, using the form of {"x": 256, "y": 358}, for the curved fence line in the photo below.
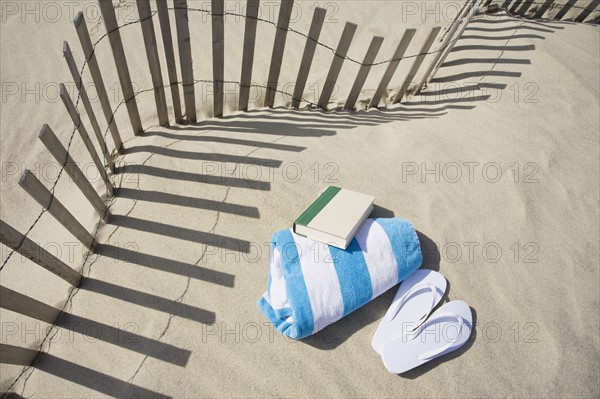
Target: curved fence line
{"x": 333, "y": 50}
{"x": 258, "y": 19}
{"x": 290, "y": 95}
{"x": 105, "y": 134}
{"x": 541, "y": 3}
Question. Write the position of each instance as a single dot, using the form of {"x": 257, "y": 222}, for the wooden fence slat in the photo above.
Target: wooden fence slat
{"x": 363, "y": 72}
{"x": 336, "y": 65}
{"x": 29, "y": 249}
{"x": 525, "y": 7}
{"x": 87, "y": 105}
{"x": 114, "y": 37}
{"x": 283, "y": 22}
{"x": 588, "y": 10}
{"x": 471, "y": 9}
{"x": 46, "y": 199}
{"x": 167, "y": 39}
{"x": 10, "y": 354}
{"x": 392, "y": 66}
{"x": 61, "y": 155}
{"x": 252, "y": 7}
{"x": 456, "y": 18}
{"x": 515, "y": 5}
{"x": 438, "y": 55}
{"x": 92, "y": 62}
{"x": 185, "y": 58}
{"x": 451, "y": 45}
{"x": 218, "y": 55}
{"x": 543, "y": 8}
{"x": 19, "y": 303}
{"x": 417, "y": 64}
{"x": 75, "y": 117}
{"x": 308, "y": 54}
{"x": 563, "y": 11}
{"x": 149, "y": 35}
{"x": 486, "y": 3}
{"x": 506, "y": 4}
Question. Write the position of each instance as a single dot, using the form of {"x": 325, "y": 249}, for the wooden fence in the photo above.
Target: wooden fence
{"x": 552, "y": 9}
{"x": 20, "y": 243}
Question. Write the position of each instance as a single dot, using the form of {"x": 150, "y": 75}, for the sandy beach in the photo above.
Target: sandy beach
{"x": 496, "y": 164}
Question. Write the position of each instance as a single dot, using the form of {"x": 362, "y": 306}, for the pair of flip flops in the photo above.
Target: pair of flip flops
{"x": 411, "y": 333}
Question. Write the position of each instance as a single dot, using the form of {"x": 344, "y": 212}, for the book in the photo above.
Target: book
{"x": 334, "y": 217}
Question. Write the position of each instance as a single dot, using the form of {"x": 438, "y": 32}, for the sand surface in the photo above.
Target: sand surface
{"x": 496, "y": 165}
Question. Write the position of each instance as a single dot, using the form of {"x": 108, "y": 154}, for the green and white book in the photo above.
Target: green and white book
{"x": 334, "y": 218}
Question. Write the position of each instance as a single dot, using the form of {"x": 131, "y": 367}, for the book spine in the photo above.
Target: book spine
{"x": 313, "y": 210}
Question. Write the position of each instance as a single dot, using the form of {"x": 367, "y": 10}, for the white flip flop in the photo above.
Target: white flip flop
{"x": 446, "y": 330}
{"x": 414, "y": 301}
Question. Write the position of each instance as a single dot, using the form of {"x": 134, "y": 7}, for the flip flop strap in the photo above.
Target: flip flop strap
{"x": 436, "y": 352}
{"x": 415, "y": 288}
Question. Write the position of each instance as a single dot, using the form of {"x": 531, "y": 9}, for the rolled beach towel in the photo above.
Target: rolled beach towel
{"x": 312, "y": 285}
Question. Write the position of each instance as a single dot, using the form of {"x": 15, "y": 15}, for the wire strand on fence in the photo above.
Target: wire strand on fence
{"x": 333, "y": 50}
{"x": 552, "y": 6}
{"x": 169, "y": 85}
{"x": 62, "y": 168}
{"x": 259, "y": 19}
{"x": 558, "y": 5}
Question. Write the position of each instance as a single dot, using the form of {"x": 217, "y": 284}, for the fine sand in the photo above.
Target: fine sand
{"x": 496, "y": 165}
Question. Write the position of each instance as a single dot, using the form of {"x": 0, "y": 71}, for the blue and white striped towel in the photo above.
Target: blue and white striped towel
{"x": 312, "y": 285}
